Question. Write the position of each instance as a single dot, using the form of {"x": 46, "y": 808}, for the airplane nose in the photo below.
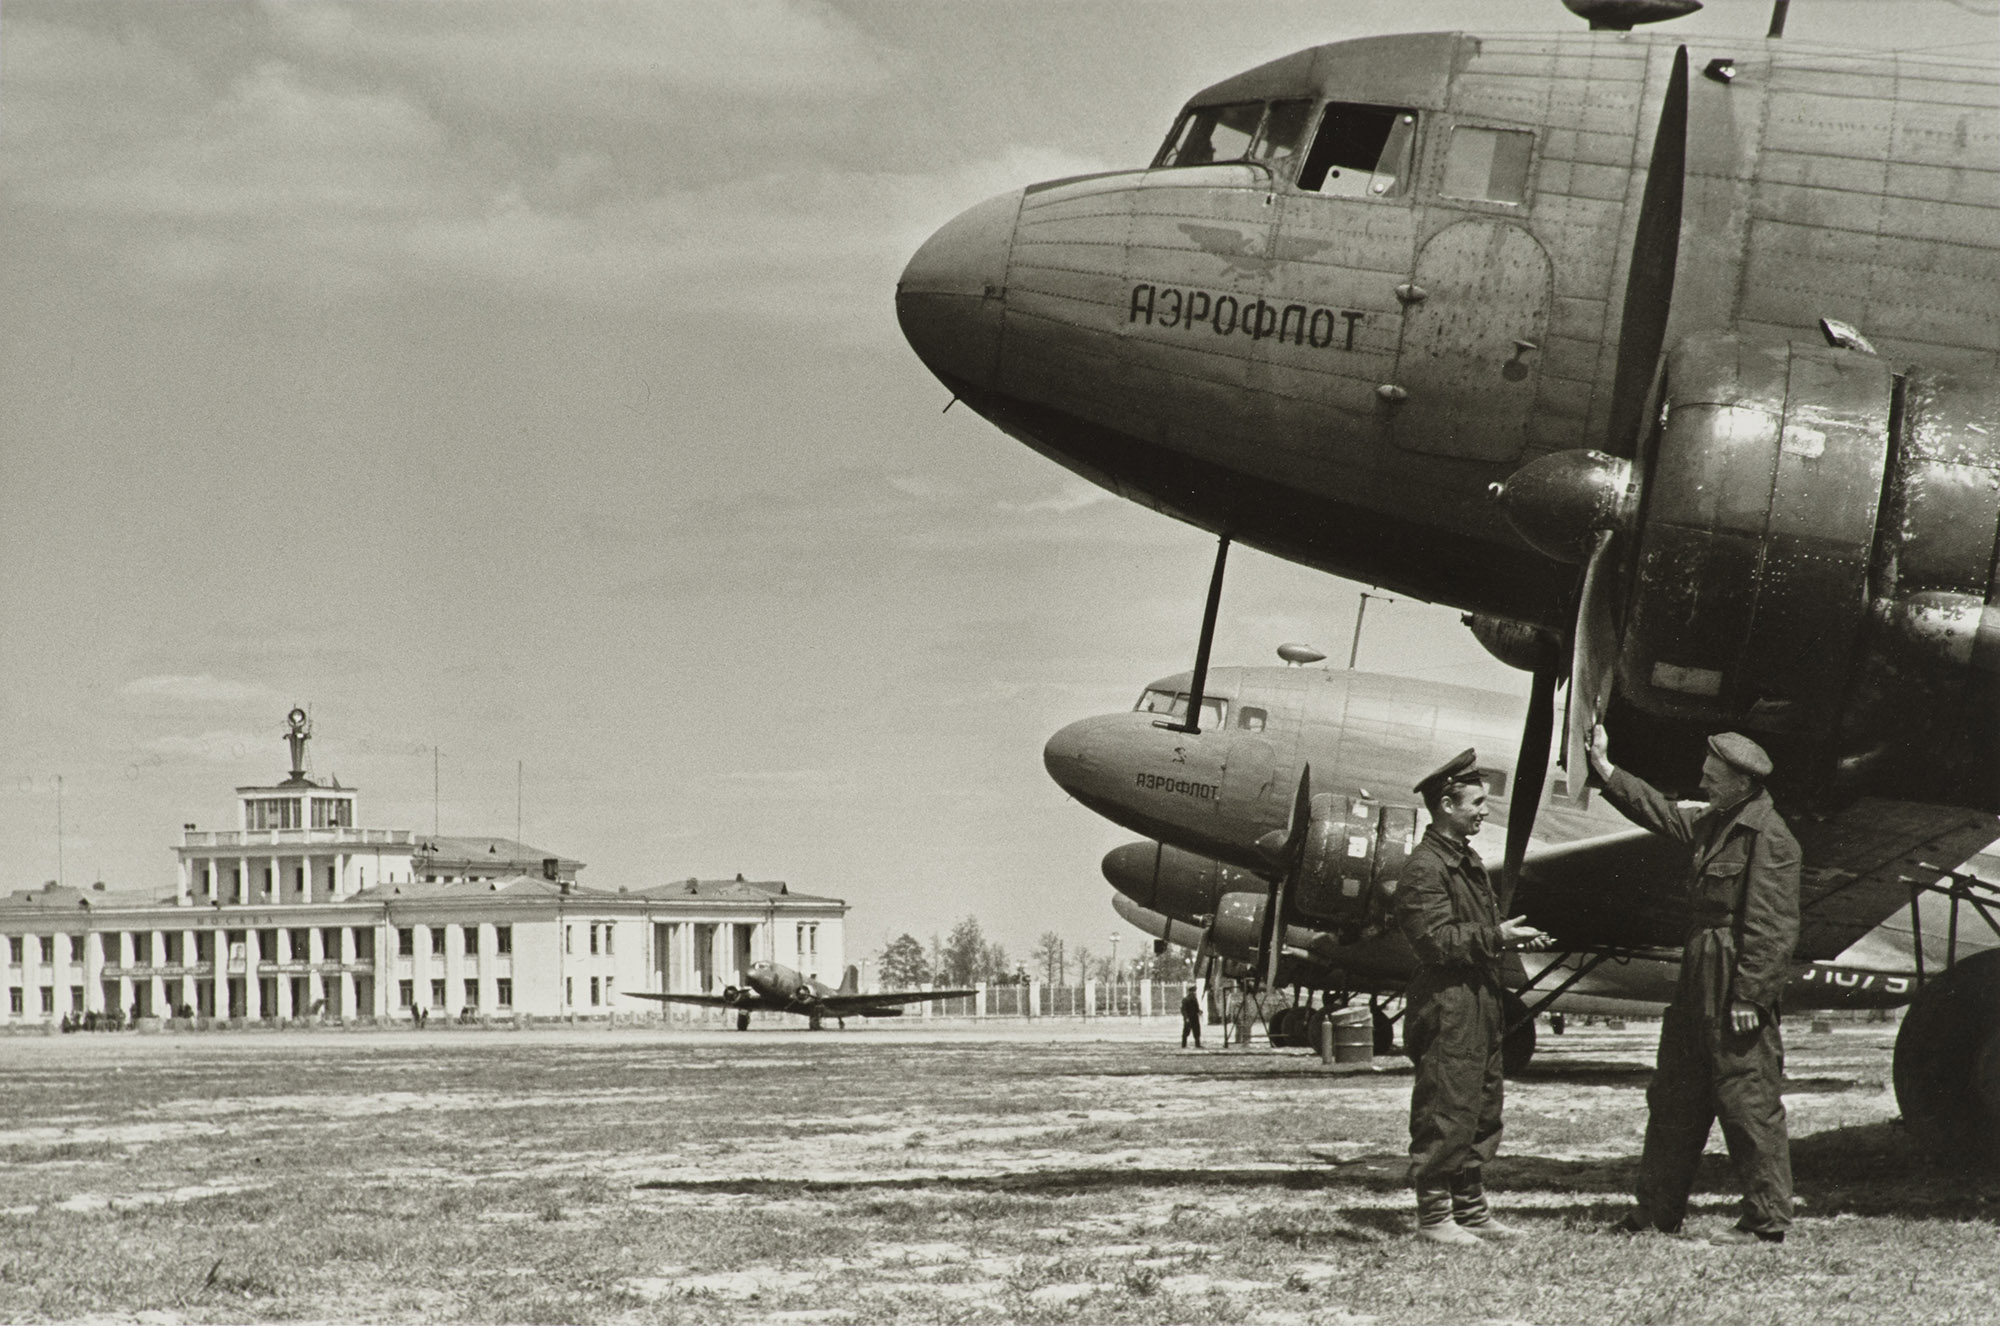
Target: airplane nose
{"x": 1133, "y": 870}
{"x": 951, "y": 294}
{"x": 1070, "y": 756}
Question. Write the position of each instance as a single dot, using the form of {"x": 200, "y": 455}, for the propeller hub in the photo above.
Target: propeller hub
{"x": 1561, "y": 502}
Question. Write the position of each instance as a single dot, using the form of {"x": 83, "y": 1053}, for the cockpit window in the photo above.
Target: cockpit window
{"x": 1175, "y": 705}
{"x": 1269, "y": 132}
{"x": 1360, "y": 151}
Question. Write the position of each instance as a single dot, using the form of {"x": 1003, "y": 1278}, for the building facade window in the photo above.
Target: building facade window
{"x": 437, "y": 994}
{"x": 503, "y": 939}
{"x": 593, "y": 945}
{"x": 173, "y": 954}
{"x": 472, "y": 941}
{"x": 14, "y": 947}
{"x": 471, "y": 993}
{"x": 329, "y": 943}
{"x": 569, "y": 991}
{"x": 569, "y": 939}
{"x": 503, "y": 992}
{"x": 48, "y": 999}
{"x": 406, "y": 942}
{"x": 437, "y": 941}
{"x": 204, "y": 946}
{"x": 406, "y": 992}
{"x": 272, "y": 813}
{"x": 14, "y": 1000}
{"x": 595, "y": 986}
{"x": 142, "y": 948}
{"x": 301, "y": 945}
{"x": 607, "y": 939}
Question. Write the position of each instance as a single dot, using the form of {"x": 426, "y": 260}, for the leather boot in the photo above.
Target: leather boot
{"x": 1470, "y": 1212}
{"x": 1434, "y": 1222}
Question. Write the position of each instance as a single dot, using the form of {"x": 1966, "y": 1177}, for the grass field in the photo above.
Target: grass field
{"x": 884, "y": 1175}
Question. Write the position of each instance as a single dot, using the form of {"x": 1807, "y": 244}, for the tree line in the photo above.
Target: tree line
{"x": 965, "y": 957}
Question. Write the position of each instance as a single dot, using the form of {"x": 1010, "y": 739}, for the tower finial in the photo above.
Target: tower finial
{"x": 298, "y": 731}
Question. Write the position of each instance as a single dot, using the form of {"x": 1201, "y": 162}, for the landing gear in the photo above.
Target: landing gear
{"x": 743, "y": 1020}
{"x": 812, "y": 1022}
{"x": 1947, "y": 1066}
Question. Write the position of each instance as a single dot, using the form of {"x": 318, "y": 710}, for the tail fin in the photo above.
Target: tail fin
{"x": 851, "y": 983}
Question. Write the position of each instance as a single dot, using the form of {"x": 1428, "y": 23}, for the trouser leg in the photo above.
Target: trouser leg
{"x": 1750, "y": 1073}
{"x": 1679, "y": 1112}
{"x": 1455, "y": 1100}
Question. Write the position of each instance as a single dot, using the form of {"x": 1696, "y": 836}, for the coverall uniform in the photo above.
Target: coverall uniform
{"x": 1743, "y": 882}
{"x": 1453, "y": 1024}
{"x": 1190, "y": 1020}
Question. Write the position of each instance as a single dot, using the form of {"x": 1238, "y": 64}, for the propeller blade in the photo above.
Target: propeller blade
{"x": 1649, "y": 285}
{"x": 1593, "y": 661}
{"x": 1531, "y": 770}
{"x": 1290, "y": 857}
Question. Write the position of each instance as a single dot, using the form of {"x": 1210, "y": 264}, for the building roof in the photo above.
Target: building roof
{"x": 63, "y": 898}
{"x": 509, "y": 886}
{"x": 728, "y": 890}
{"x": 444, "y": 851}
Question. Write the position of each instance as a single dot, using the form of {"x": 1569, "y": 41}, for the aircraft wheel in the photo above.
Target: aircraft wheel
{"x": 743, "y": 1021}
{"x": 1947, "y": 1064}
{"x": 1281, "y": 1025}
{"x": 1314, "y": 1019}
{"x": 1385, "y": 1032}
{"x": 1519, "y": 1046}
{"x": 812, "y": 1022}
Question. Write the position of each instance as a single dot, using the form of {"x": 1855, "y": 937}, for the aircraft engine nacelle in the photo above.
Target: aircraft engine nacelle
{"x": 1238, "y": 929}
{"x": 1354, "y": 853}
{"x": 1804, "y": 552}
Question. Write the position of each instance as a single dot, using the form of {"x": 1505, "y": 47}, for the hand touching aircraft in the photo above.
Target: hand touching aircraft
{"x": 770, "y": 987}
{"x": 1675, "y": 364}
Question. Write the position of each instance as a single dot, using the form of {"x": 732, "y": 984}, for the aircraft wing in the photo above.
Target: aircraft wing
{"x": 1623, "y": 890}
{"x": 751, "y": 1004}
{"x": 858, "y": 1005}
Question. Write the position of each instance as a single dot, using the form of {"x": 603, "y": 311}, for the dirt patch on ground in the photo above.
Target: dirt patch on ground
{"x": 907, "y": 1177}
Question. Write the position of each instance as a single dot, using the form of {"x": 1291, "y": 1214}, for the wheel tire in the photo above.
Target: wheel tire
{"x": 1947, "y": 1064}
{"x": 1282, "y": 1025}
{"x": 1310, "y": 1024}
{"x": 1519, "y": 1046}
{"x": 743, "y": 1020}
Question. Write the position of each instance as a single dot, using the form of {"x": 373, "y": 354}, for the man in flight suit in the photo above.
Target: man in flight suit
{"x": 1720, "y": 1052}
{"x": 1454, "y": 1020}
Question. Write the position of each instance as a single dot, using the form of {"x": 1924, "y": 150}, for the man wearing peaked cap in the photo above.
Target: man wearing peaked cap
{"x": 1446, "y": 907}
{"x": 1720, "y": 1053}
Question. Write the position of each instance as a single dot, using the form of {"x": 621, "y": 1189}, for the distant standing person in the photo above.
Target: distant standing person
{"x": 1721, "y": 1054}
{"x": 1190, "y": 1019}
{"x": 1455, "y": 1020}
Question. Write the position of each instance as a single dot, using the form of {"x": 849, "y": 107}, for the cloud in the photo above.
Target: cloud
{"x": 487, "y": 148}
{"x": 203, "y": 689}
{"x": 212, "y": 747}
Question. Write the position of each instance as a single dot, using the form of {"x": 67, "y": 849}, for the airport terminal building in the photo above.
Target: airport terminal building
{"x": 299, "y": 914}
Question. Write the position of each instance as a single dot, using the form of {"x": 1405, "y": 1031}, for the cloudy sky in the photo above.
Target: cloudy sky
{"x": 522, "y": 381}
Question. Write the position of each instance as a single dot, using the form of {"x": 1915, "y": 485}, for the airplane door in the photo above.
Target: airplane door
{"x": 1246, "y": 781}
{"x": 1472, "y": 347}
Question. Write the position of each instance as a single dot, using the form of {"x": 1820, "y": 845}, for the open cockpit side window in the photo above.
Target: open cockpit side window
{"x": 1360, "y": 151}
{"x": 1265, "y": 132}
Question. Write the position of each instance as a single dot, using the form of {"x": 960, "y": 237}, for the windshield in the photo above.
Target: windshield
{"x": 1174, "y": 704}
{"x": 1269, "y": 132}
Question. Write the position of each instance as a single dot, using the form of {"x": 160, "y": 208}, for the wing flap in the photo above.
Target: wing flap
{"x": 1859, "y": 864}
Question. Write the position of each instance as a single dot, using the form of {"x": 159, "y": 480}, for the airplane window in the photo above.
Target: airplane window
{"x": 1360, "y": 151}
{"x": 1213, "y": 709}
{"x": 1284, "y": 129}
{"x": 1496, "y": 782}
{"x": 1250, "y": 719}
{"x": 1209, "y": 134}
{"x": 1488, "y": 165}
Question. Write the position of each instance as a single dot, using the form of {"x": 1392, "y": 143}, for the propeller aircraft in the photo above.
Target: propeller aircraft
{"x": 1675, "y": 364}
{"x": 1343, "y": 945}
{"x": 772, "y": 987}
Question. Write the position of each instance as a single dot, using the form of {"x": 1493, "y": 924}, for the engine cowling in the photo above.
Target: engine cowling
{"x": 1355, "y": 851}
{"x": 1806, "y": 552}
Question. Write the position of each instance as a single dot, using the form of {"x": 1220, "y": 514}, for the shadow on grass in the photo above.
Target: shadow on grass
{"x": 1874, "y": 1170}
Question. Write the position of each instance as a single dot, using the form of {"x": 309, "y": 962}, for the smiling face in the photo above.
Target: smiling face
{"x": 1462, "y": 810}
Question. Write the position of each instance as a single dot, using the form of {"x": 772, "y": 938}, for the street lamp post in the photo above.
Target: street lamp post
{"x": 1114, "y": 973}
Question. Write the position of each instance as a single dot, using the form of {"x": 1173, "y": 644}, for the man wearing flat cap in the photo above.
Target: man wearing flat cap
{"x": 1454, "y": 1019}
{"x": 1720, "y": 1053}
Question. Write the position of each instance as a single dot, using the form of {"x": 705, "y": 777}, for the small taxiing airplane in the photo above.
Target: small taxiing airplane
{"x": 1603, "y": 888}
{"x": 1675, "y": 363}
{"x": 772, "y": 987}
